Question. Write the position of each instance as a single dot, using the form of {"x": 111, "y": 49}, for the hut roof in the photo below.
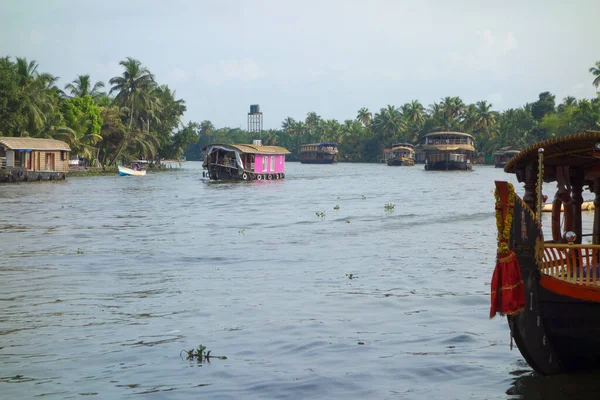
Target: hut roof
{"x": 252, "y": 148}
{"x": 25, "y": 143}
{"x": 576, "y": 150}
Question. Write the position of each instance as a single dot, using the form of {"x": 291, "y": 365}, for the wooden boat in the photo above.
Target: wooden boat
{"x": 585, "y": 206}
{"x": 549, "y": 289}
{"x": 319, "y": 153}
{"x": 401, "y": 154}
{"x": 445, "y": 151}
{"x": 124, "y": 171}
{"x": 244, "y": 162}
{"x": 502, "y": 156}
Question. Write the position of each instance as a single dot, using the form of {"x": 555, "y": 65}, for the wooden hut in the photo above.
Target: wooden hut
{"x": 23, "y": 159}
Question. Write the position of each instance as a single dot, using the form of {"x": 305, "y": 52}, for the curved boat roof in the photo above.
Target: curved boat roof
{"x": 577, "y": 150}
{"x": 449, "y": 134}
{"x": 251, "y": 148}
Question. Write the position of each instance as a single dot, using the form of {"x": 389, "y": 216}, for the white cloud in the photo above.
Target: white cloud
{"x": 495, "y": 99}
{"x": 487, "y": 38}
{"x": 244, "y": 69}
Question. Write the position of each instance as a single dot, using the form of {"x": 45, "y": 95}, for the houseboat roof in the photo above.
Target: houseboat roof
{"x": 581, "y": 150}
{"x": 405, "y": 144}
{"x": 26, "y": 143}
{"x": 251, "y": 148}
{"x": 506, "y": 150}
{"x": 321, "y": 144}
{"x": 448, "y": 134}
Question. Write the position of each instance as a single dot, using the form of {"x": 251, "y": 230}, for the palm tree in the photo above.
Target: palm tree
{"x": 364, "y": 116}
{"x": 595, "y": 70}
{"x": 312, "y": 122}
{"x": 26, "y": 71}
{"x": 82, "y": 86}
{"x": 486, "y": 118}
{"x": 133, "y": 86}
{"x": 207, "y": 129}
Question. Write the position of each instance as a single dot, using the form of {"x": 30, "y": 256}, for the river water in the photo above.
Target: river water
{"x": 105, "y": 280}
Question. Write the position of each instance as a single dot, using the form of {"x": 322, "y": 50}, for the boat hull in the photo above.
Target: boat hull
{"x": 448, "y": 165}
{"x": 397, "y": 162}
{"x": 556, "y": 332}
{"x": 124, "y": 171}
{"x": 217, "y": 173}
{"x": 318, "y": 158}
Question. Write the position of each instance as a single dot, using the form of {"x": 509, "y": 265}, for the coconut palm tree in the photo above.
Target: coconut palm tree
{"x": 82, "y": 86}
{"x": 486, "y": 118}
{"x": 133, "y": 86}
{"x": 364, "y": 116}
{"x": 312, "y": 122}
{"x": 26, "y": 71}
{"x": 595, "y": 70}
{"x": 206, "y": 130}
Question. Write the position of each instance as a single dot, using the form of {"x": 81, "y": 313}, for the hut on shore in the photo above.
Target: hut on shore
{"x": 33, "y": 159}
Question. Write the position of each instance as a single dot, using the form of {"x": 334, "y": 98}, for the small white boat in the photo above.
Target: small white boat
{"x": 124, "y": 171}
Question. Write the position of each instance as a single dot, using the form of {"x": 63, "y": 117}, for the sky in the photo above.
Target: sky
{"x": 329, "y": 56}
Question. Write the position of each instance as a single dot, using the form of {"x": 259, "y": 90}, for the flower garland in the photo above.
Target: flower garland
{"x": 539, "y": 182}
{"x": 504, "y": 226}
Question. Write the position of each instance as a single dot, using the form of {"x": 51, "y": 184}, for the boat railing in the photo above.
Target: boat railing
{"x": 573, "y": 263}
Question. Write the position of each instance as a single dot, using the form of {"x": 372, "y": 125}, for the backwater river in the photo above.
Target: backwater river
{"x": 309, "y": 286}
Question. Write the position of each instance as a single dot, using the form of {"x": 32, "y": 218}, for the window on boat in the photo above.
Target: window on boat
{"x": 264, "y": 163}
{"x": 272, "y": 163}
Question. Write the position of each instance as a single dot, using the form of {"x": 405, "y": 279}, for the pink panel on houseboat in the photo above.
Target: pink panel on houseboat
{"x": 265, "y": 164}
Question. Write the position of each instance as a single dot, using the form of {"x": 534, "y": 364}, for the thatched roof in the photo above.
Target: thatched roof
{"x": 577, "y": 150}
{"x": 25, "y": 143}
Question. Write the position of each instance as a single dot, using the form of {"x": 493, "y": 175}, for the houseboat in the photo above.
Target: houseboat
{"x": 401, "y": 154}
{"x": 502, "y": 156}
{"x": 33, "y": 159}
{"x": 319, "y": 153}
{"x": 244, "y": 162}
{"x": 446, "y": 151}
{"x": 549, "y": 287}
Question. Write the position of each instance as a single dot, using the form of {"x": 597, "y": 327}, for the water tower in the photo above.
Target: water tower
{"x": 255, "y": 119}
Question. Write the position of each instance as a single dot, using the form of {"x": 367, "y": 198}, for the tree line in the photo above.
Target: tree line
{"x": 363, "y": 138}
{"x": 135, "y": 117}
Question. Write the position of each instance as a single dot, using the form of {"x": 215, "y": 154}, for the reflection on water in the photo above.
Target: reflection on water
{"x": 531, "y": 386}
{"x": 105, "y": 280}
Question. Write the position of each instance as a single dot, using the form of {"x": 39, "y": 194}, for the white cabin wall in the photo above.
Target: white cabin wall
{"x": 10, "y": 158}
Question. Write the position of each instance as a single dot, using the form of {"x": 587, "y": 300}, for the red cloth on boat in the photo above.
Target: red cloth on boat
{"x": 508, "y": 293}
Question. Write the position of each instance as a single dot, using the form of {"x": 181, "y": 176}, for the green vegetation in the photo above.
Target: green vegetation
{"x": 200, "y": 354}
{"x": 389, "y": 207}
{"x": 140, "y": 118}
{"x": 320, "y": 214}
{"x": 363, "y": 138}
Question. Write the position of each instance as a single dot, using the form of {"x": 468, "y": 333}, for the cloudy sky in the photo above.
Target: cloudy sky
{"x": 328, "y": 56}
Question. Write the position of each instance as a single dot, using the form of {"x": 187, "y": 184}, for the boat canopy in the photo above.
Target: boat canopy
{"x": 239, "y": 149}
{"x": 247, "y": 148}
{"x": 448, "y": 134}
{"x": 402, "y": 144}
{"x": 579, "y": 151}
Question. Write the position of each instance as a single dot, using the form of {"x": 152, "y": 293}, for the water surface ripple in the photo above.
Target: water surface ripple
{"x": 104, "y": 280}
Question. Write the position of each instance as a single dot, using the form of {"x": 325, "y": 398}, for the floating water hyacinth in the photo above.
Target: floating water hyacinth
{"x": 320, "y": 214}
{"x": 389, "y": 206}
{"x": 337, "y": 207}
{"x": 200, "y": 354}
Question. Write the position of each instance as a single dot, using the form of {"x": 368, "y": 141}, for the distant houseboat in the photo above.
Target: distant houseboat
{"x": 319, "y": 153}
{"x": 445, "y": 151}
{"x": 502, "y": 156}
{"x": 401, "y": 154}
{"x": 244, "y": 162}
{"x": 33, "y": 159}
